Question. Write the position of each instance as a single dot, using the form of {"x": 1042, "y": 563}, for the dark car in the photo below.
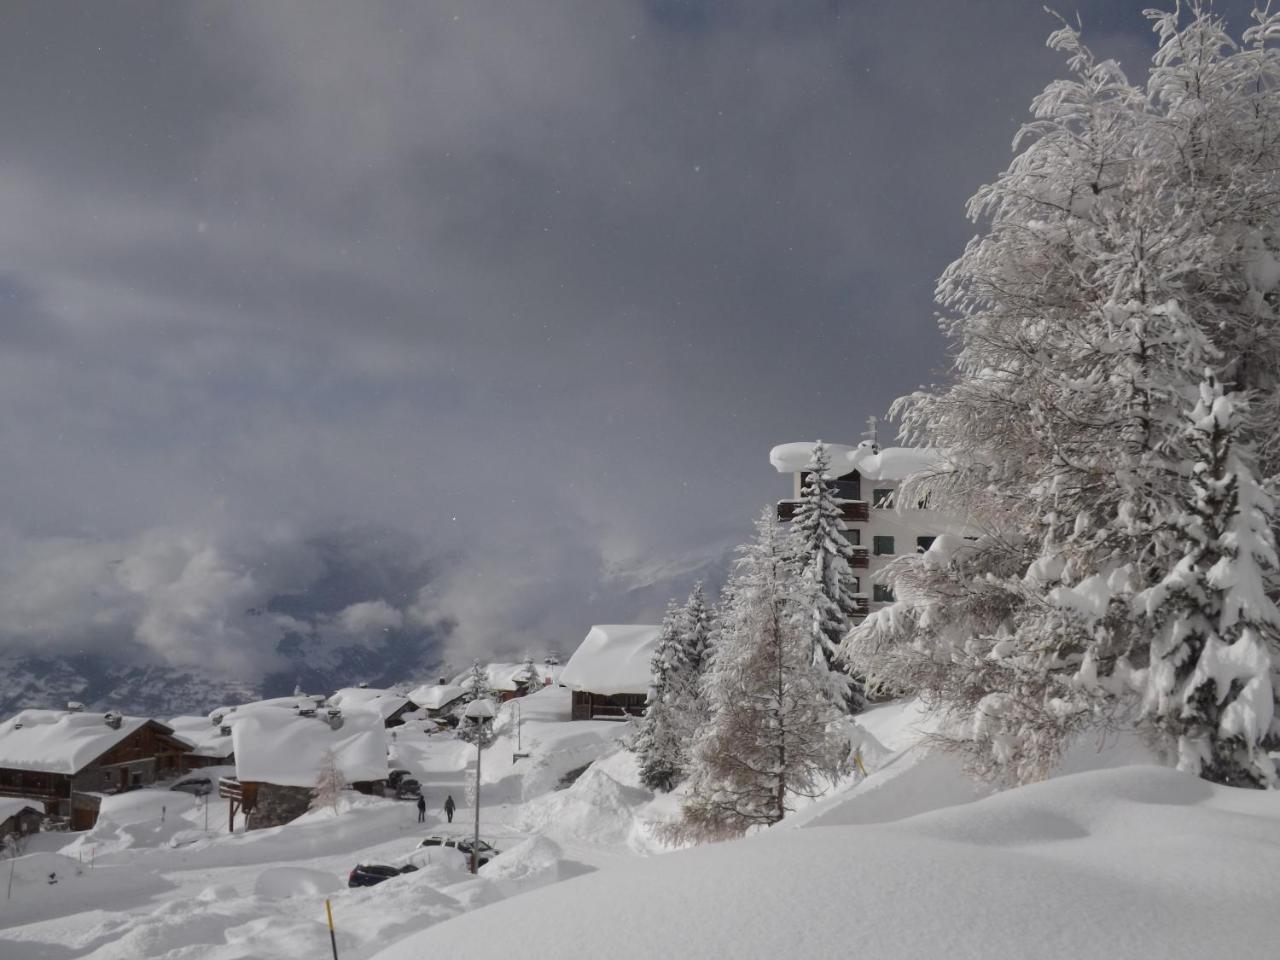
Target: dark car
{"x": 372, "y": 874}
{"x": 463, "y": 845}
{"x": 197, "y": 786}
{"x": 408, "y": 789}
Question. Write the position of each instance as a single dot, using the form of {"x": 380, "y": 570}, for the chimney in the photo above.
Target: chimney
{"x": 225, "y": 730}
{"x": 112, "y": 720}
{"x": 75, "y": 706}
{"x": 444, "y": 681}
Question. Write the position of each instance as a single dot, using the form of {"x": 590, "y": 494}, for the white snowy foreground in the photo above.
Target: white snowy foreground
{"x": 1120, "y": 860}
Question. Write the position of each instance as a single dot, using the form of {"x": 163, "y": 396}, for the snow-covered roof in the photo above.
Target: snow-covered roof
{"x": 13, "y": 805}
{"x": 59, "y": 741}
{"x": 433, "y": 696}
{"x": 294, "y": 703}
{"x": 277, "y": 746}
{"x": 503, "y": 676}
{"x": 383, "y": 702}
{"x": 884, "y": 463}
{"x": 613, "y": 659}
{"x": 205, "y": 737}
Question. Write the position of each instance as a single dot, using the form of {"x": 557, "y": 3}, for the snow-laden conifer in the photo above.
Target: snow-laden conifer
{"x": 773, "y": 733}
{"x": 695, "y": 630}
{"x": 1130, "y": 245}
{"x": 824, "y": 557}
{"x": 661, "y": 742}
{"x": 1209, "y": 685}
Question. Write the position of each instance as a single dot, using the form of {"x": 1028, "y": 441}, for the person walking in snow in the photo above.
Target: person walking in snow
{"x": 449, "y": 807}
{"x": 422, "y": 809}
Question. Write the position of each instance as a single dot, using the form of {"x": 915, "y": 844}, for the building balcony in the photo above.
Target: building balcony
{"x": 862, "y": 606}
{"x": 861, "y": 559}
{"x": 850, "y": 510}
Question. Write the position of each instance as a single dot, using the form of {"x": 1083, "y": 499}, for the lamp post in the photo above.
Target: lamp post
{"x": 478, "y": 711}
{"x": 519, "y": 754}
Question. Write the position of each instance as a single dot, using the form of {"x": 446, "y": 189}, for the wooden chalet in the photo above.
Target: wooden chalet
{"x": 66, "y": 761}
{"x": 609, "y": 674}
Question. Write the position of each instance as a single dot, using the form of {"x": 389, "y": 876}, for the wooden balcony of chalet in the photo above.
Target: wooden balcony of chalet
{"x": 850, "y": 510}
{"x": 861, "y": 558}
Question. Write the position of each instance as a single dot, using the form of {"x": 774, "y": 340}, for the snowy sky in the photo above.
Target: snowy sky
{"x": 477, "y": 310}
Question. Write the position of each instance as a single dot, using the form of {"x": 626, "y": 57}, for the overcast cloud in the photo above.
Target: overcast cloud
{"x": 515, "y": 297}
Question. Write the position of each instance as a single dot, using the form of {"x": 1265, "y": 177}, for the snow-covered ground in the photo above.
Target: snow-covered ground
{"x": 1120, "y": 860}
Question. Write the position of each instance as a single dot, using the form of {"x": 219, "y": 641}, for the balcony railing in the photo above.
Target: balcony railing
{"x": 850, "y": 510}
{"x": 861, "y": 559}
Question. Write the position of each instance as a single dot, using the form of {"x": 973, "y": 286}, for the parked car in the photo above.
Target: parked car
{"x": 408, "y": 789}
{"x": 197, "y": 786}
{"x": 372, "y": 874}
{"x": 463, "y": 845}
{"x": 394, "y": 778}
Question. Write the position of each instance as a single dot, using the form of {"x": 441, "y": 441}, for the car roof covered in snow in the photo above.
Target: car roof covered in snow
{"x": 60, "y": 741}
{"x": 12, "y": 805}
{"x": 871, "y": 461}
{"x": 285, "y": 748}
{"x": 613, "y": 659}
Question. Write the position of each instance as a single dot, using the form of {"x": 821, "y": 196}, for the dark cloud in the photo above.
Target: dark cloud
{"x": 534, "y": 286}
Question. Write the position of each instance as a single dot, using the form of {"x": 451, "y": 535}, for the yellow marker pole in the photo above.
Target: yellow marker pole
{"x": 333, "y": 939}
{"x": 857, "y": 761}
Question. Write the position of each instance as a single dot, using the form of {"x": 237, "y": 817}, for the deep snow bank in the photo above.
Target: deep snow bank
{"x": 1130, "y": 862}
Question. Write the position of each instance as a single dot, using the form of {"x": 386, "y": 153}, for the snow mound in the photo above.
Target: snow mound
{"x": 534, "y": 862}
{"x": 280, "y": 882}
{"x": 1052, "y": 870}
{"x": 597, "y": 808}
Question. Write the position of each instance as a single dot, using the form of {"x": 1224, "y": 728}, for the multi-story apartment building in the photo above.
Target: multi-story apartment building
{"x": 867, "y": 478}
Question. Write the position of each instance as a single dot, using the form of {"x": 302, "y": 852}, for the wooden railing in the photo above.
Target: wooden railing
{"x": 861, "y": 558}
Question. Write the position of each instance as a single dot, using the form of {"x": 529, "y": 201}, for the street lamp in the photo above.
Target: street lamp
{"x": 478, "y": 712}
{"x": 519, "y": 754}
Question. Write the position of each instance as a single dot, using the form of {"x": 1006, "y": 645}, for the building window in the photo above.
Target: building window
{"x": 846, "y": 488}
{"x": 882, "y": 499}
{"x": 924, "y": 543}
{"x": 854, "y": 536}
{"x": 857, "y": 584}
{"x": 882, "y": 546}
{"x": 882, "y": 594}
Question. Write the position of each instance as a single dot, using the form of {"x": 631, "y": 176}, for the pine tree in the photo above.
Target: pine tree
{"x": 773, "y": 733}
{"x": 1209, "y": 688}
{"x": 660, "y": 744}
{"x": 1130, "y": 245}
{"x": 695, "y": 630}
{"x": 330, "y": 784}
{"x": 825, "y": 559}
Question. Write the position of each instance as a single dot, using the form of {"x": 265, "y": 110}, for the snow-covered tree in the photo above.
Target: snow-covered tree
{"x": 825, "y": 558}
{"x": 773, "y": 732}
{"x": 695, "y": 630}
{"x": 661, "y": 744}
{"x": 1130, "y": 245}
{"x": 329, "y": 786}
{"x": 476, "y": 685}
{"x": 1209, "y": 687}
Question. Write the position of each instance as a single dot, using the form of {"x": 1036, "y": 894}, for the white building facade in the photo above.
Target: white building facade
{"x": 867, "y": 477}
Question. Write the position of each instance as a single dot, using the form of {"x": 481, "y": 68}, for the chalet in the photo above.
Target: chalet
{"x": 279, "y": 754}
{"x": 438, "y": 700}
{"x": 609, "y": 674}
{"x": 67, "y": 759}
{"x": 19, "y": 817}
{"x": 210, "y": 740}
{"x": 393, "y": 707}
